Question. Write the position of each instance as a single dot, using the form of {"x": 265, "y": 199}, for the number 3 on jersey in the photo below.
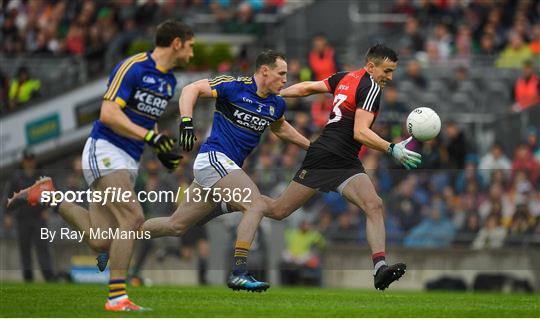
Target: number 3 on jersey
{"x": 338, "y": 100}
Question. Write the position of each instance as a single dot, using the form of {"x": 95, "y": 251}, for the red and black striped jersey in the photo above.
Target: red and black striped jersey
{"x": 351, "y": 90}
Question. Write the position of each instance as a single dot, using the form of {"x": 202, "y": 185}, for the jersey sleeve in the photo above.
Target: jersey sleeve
{"x": 222, "y": 86}
{"x": 368, "y": 96}
{"x": 282, "y": 107}
{"x": 123, "y": 81}
{"x": 333, "y": 80}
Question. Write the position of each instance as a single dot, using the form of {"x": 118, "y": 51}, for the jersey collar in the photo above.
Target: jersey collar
{"x": 157, "y": 66}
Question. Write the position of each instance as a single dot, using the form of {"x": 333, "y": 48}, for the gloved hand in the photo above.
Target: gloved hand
{"x": 187, "y": 134}
{"x": 159, "y": 142}
{"x": 402, "y": 155}
{"x": 170, "y": 160}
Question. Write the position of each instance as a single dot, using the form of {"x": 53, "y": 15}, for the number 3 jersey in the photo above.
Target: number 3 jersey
{"x": 351, "y": 90}
{"x": 241, "y": 117}
{"x": 143, "y": 90}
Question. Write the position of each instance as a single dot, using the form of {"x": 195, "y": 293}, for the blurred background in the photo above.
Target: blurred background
{"x": 468, "y": 219}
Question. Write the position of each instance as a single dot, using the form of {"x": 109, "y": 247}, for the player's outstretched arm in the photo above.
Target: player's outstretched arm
{"x": 190, "y": 94}
{"x": 365, "y": 135}
{"x": 285, "y": 131}
{"x": 188, "y": 99}
{"x": 112, "y": 115}
{"x": 304, "y": 89}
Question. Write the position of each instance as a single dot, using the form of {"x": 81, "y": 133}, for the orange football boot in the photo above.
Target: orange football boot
{"x": 125, "y": 305}
{"x": 32, "y": 194}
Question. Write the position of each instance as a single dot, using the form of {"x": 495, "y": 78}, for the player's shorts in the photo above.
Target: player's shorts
{"x": 325, "y": 171}
{"x": 212, "y": 166}
{"x": 100, "y": 158}
{"x": 193, "y": 236}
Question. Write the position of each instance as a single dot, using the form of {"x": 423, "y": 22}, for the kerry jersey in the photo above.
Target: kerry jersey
{"x": 143, "y": 90}
{"x": 351, "y": 90}
{"x": 241, "y": 116}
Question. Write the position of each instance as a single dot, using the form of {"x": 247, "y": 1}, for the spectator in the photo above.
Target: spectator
{"x": 4, "y": 92}
{"x": 492, "y": 234}
{"x": 524, "y": 161}
{"x": 469, "y": 231}
{"x": 534, "y": 45}
{"x": 526, "y": 90}
{"x": 497, "y": 202}
{"x": 23, "y": 88}
{"x": 522, "y": 225}
{"x": 435, "y": 231}
{"x": 346, "y": 229}
{"x": 494, "y": 160}
{"x": 488, "y": 48}
{"x": 30, "y": 220}
{"x": 456, "y": 144}
{"x": 414, "y": 73}
{"x": 534, "y": 143}
{"x": 394, "y": 108}
{"x": 301, "y": 260}
{"x": 470, "y": 175}
{"x": 514, "y": 54}
{"x": 320, "y": 110}
{"x": 403, "y": 205}
{"x": 322, "y": 58}
{"x": 412, "y": 41}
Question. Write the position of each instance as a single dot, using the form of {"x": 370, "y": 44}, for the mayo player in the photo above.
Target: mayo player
{"x": 139, "y": 89}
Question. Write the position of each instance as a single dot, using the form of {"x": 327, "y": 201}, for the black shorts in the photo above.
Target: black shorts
{"x": 325, "y": 171}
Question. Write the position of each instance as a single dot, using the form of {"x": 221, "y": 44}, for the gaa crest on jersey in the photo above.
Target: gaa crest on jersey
{"x": 272, "y": 110}
{"x": 169, "y": 90}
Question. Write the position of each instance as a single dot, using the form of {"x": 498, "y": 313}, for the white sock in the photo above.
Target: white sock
{"x": 114, "y": 301}
{"x": 377, "y": 266}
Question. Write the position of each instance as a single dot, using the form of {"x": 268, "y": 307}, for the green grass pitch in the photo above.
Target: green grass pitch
{"x": 69, "y": 300}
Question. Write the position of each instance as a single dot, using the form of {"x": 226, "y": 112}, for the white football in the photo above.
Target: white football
{"x": 423, "y": 124}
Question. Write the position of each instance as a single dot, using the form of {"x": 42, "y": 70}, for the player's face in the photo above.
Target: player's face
{"x": 383, "y": 72}
{"x": 184, "y": 51}
{"x": 276, "y": 77}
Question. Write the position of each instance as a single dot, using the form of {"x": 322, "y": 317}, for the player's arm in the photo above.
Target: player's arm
{"x": 112, "y": 115}
{"x": 190, "y": 94}
{"x": 304, "y": 89}
{"x": 364, "y": 134}
{"x": 285, "y": 131}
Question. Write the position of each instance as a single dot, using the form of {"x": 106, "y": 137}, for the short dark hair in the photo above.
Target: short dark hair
{"x": 268, "y": 57}
{"x": 169, "y": 30}
{"x": 380, "y": 52}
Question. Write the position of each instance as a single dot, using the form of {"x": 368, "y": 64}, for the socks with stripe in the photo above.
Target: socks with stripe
{"x": 117, "y": 291}
{"x": 378, "y": 261}
{"x": 241, "y": 250}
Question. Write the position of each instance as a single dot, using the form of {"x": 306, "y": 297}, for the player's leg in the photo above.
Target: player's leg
{"x": 359, "y": 190}
{"x": 292, "y": 198}
{"x": 97, "y": 216}
{"x": 192, "y": 209}
{"x": 129, "y": 217}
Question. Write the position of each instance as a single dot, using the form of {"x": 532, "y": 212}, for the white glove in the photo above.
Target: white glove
{"x": 402, "y": 155}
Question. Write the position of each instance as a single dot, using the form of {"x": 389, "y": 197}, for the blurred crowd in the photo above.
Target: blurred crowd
{"x": 86, "y": 28}
{"x": 452, "y": 32}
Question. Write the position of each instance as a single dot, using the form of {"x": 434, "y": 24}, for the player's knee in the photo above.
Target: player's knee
{"x": 132, "y": 222}
{"x": 374, "y": 206}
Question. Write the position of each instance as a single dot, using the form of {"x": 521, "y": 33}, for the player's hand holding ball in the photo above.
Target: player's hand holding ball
{"x": 187, "y": 133}
{"x": 407, "y": 158}
{"x": 161, "y": 143}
